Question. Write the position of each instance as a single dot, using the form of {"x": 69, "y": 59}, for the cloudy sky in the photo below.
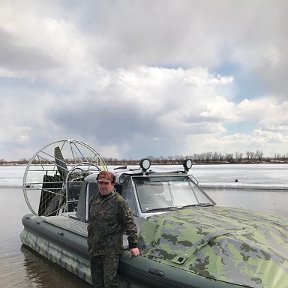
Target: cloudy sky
{"x": 137, "y": 78}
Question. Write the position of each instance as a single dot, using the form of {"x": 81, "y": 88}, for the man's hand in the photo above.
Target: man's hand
{"x": 134, "y": 252}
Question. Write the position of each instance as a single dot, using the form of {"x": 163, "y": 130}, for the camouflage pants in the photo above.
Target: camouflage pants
{"x": 104, "y": 271}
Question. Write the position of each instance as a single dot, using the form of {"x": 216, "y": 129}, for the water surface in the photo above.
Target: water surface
{"x": 19, "y": 268}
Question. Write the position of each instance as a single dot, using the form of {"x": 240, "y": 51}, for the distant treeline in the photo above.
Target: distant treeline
{"x": 203, "y": 158}
{"x": 208, "y": 158}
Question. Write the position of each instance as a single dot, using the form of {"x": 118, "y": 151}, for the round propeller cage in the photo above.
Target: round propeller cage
{"x": 53, "y": 176}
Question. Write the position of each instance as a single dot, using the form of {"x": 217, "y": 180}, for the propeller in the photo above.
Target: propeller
{"x": 54, "y": 175}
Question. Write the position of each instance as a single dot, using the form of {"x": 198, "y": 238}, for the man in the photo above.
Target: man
{"x": 109, "y": 217}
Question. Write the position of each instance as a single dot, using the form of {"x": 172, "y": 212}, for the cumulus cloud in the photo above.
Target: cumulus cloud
{"x": 143, "y": 78}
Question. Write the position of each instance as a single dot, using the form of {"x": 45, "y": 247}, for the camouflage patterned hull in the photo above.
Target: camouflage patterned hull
{"x": 224, "y": 244}
{"x": 199, "y": 247}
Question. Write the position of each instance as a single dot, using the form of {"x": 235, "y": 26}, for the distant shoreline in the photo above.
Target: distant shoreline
{"x": 166, "y": 162}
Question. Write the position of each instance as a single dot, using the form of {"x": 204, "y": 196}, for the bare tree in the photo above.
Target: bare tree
{"x": 238, "y": 157}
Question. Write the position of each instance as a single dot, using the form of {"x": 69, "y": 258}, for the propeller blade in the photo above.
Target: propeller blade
{"x": 61, "y": 165}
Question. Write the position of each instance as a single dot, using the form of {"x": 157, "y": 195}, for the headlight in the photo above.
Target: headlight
{"x": 145, "y": 164}
{"x": 187, "y": 164}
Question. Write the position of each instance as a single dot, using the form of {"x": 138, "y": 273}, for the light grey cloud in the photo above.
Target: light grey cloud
{"x": 140, "y": 78}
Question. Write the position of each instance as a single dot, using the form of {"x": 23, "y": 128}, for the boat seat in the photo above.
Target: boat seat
{"x": 118, "y": 188}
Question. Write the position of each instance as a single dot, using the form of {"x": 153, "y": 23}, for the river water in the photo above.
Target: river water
{"x": 259, "y": 187}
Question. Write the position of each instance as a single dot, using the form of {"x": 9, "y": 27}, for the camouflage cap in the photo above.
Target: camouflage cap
{"x": 106, "y": 175}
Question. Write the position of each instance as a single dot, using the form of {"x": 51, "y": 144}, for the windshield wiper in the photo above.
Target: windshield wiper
{"x": 172, "y": 208}
{"x": 197, "y": 205}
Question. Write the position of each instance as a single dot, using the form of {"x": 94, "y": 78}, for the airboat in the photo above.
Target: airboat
{"x": 185, "y": 239}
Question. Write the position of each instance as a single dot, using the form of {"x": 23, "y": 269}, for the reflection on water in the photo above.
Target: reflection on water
{"x": 41, "y": 273}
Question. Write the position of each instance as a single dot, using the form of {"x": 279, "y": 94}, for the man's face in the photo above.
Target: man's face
{"x": 105, "y": 186}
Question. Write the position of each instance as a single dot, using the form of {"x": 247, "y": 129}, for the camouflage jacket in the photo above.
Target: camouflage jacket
{"x": 109, "y": 218}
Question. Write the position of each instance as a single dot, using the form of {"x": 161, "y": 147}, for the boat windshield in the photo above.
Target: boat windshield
{"x": 160, "y": 193}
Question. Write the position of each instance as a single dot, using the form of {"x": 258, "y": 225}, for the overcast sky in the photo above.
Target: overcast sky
{"x": 138, "y": 78}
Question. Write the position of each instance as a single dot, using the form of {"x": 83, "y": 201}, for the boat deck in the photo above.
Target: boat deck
{"x": 68, "y": 223}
